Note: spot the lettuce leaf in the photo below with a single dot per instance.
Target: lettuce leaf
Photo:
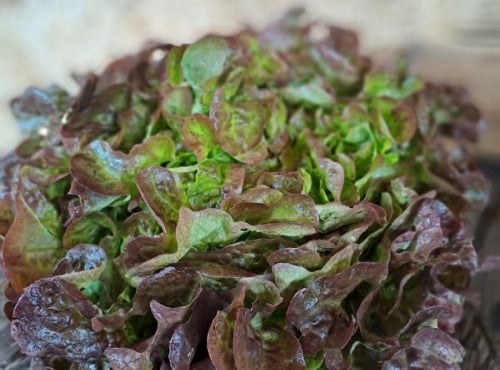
(264, 200)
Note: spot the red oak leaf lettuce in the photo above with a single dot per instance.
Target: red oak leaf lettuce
(267, 200)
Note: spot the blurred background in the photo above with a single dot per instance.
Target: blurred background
(456, 41)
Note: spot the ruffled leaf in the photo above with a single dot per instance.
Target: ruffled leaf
(52, 318)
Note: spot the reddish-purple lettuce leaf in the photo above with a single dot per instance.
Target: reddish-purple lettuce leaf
(170, 287)
(429, 349)
(248, 255)
(256, 343)
(158, 189)
(306, 255)
(30, 250)
(87, 201)
(317, 311)
(127, 359)
(109, 172)
(220, 334)
(52, 318)
(82, 265)
(145, 254)
(188, 336)
(168, 319)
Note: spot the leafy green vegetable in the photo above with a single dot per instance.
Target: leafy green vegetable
(265, 200)
(53, 318)
(30, 249)
(204, 60)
